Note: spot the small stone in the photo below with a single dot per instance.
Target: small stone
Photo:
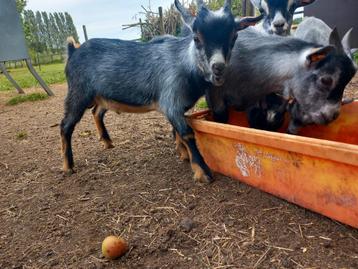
(187, 224)
(191, 206)
(209, 253)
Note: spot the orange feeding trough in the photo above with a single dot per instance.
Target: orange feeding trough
(317, 170)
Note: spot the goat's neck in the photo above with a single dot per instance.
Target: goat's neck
(189, 56)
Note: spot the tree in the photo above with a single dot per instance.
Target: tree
(48, 37)
(56, 46)
(20, 5)
(71, 29)
(41, 32)
(236, 5)
(61, 30)
(172, 21)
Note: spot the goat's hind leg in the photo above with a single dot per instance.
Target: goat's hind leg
(73, 114)
(74, 110)
(98, 115)
(180, 147)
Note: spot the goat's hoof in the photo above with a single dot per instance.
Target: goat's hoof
(184, 157)
(69, 172)
(203, 178)
(108, 145)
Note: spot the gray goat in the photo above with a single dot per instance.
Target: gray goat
(317, 31)
(311, 75)
(269, 112)
(278, 14)
(168, 74)
(314, 30)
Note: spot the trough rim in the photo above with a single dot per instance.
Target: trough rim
(324, 149)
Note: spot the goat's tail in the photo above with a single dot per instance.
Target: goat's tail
(72, 45)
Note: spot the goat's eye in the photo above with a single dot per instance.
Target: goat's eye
(196, 39)
(326, 81)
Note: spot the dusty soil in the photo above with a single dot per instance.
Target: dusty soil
(143, 192)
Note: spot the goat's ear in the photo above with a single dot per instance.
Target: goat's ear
(346, 43)
(227, 6)
(318, 54)
(247, 21)
(335, 40)
(186, 15)
(302, 3)
(200, 4)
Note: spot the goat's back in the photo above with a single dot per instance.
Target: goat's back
(120, 70)
(260, 64)
(313, 30)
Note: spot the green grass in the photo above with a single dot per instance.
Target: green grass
(201, 104)
(21, 135)
(356, 57)
(51, 73)
(26, 98)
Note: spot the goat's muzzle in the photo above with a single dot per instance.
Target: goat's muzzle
(218, 70)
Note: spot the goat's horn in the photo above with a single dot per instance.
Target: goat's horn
(346, 42)
(227, 4)
(200, 4)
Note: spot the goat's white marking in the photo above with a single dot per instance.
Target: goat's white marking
(219, 13)
(217, 57)
(264, 6)
(303, 56)
(192, 53)
(271, 116)
(281, 19)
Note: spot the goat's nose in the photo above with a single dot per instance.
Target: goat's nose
(279, 24)
(335, 115)
(218, 68)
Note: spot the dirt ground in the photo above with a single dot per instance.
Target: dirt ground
(143, 192)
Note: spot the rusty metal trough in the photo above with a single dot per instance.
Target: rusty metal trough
(317, 169)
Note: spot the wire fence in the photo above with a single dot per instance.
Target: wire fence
(38, 59)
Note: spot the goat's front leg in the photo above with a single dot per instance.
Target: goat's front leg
(294, 127)
(185, 138)
(217, 105)
(296, 115)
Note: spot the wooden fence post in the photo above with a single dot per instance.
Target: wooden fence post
(251, 9)
(141, 28)
(161, 22)
(85, 32)
(244, 11)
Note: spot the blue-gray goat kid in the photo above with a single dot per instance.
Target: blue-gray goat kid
(168, 74)
(278, 14)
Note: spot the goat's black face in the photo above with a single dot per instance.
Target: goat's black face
(214, 36)
(279, 14)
